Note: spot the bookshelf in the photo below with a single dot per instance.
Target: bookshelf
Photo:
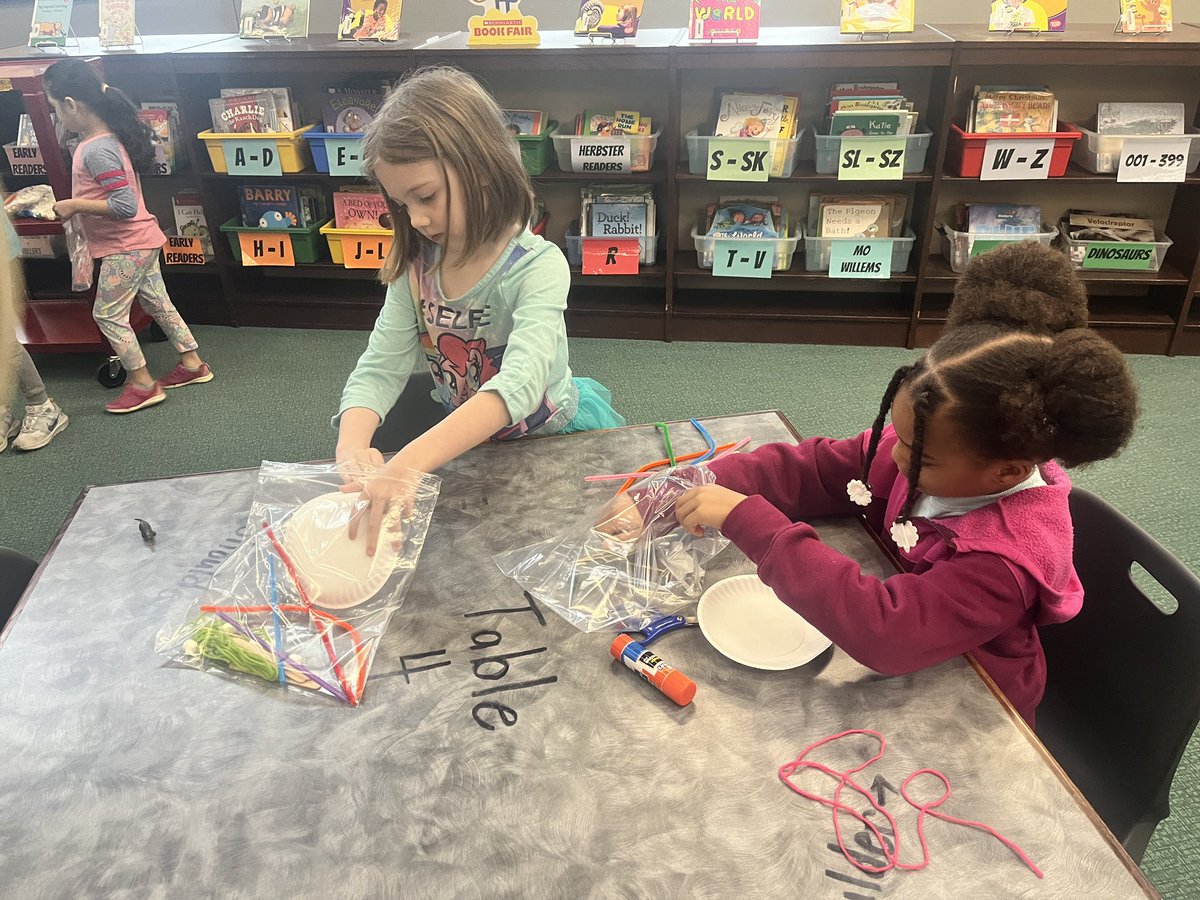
(663, 75)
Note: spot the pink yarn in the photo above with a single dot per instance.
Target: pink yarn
(892, 855)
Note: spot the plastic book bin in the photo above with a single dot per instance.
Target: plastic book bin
(1077, 250)
(957, 245)
(1101, 153)
(320, 152)
(818, 250)
(647, 257)
(829, 150)
(784, 247)
(964, 156)
(343, 243)
(292, 148)
(698, 154)
(306, 242)
(537, 149)
(639, 146)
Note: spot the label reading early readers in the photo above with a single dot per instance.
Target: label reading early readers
(1020, 160)
(1118, 255)
(870, 159)
(267, 249)
(739, 160)
(860, 259)
(743, 259)
(1154, 161)
(597, 155)
(184, 251)
(251, 157)
(345, 156)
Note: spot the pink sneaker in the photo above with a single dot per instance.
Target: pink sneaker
(181, 375)
(134, 398)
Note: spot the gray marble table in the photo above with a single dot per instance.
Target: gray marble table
(124, 777)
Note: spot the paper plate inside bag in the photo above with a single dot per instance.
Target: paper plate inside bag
(336, 571)
(744, 620)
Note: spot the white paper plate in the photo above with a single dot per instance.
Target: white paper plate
(337, 572)
(744, 620)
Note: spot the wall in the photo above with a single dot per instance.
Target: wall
(426, 16)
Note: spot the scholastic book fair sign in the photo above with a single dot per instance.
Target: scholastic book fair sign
(502, 25)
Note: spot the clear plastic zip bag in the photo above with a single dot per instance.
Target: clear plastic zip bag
(626, 564)
(300, 603)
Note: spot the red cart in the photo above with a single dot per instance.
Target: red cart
(57, 320)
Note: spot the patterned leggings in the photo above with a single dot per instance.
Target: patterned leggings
(124, 276)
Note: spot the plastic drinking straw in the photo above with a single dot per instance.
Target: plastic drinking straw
(662, 462)
(295, 576)
(275, 616)
(291, 662)
(712, 445)
(666, 433)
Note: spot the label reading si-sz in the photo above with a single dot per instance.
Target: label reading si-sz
(1154, 161)
(345, 156)
(849, 258)
(743, 259)
(1008, 160)
(739, 160)
(251, 157)
(598, 156)
(871, 159)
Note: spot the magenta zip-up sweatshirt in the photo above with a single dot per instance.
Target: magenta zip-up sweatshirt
(981, 582)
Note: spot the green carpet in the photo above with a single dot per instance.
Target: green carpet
(275, 391)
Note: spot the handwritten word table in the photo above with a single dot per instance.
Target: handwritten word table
(499, 752)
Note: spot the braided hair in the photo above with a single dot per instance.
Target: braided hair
(1015, 373)
(75, 79)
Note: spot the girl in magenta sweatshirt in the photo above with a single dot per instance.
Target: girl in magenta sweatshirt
(963, 484)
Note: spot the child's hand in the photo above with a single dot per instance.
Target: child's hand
(388, 502)
(64, 209)
(707, 505)
(353, 462)
(620, 518)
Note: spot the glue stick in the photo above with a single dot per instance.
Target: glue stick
(644, 662)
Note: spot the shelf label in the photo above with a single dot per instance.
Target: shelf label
(345, 157)
(983, 245)
(365, 251)
(739, 159)
(251, 157)
(1119, 255)
(850, 258)
(1007, 160)
(266, 249)
(601, 155)
(1156, 161)
(872, 159)
(184, 251)
(611, 256)
(743, 259)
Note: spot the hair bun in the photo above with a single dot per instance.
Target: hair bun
(1023, 285)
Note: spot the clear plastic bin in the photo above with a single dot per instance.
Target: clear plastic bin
(818, 250)
(638, 152)
(1101, 153)
(1077, 251)
(957, 245)
(648, 256)
(785, 247)
(829, 149)
(783, 153)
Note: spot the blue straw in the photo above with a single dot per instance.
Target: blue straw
(275, 615)
(708, 439)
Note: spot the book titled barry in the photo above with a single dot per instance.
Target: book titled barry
(281, 206)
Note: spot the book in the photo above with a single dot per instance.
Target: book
(618, 220)
(1009, 111)
(190, 220)
(26, 136)
(749, 115)
(724, 20)
(244, 114)
(51, 23)
(281, 205)
(626, 196)
(863, 87)
(1139, 118)
(617, 19)
(264, 19)
(1028, 15)
(361, 209)
(117, 28)
(871, 16)
(1145, 16)
(896, 204)
(370, 20)
(609, 122)
(285, 107)
(523, 121)
(350, 110)
(745, 220)
(856, 218)
(162, 136)
(1002, 218)
(1085, 225)
(855, 123)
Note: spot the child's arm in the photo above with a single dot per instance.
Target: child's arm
(381, 372)
(106, 166)
(905, 623)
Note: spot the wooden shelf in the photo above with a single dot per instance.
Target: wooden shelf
(938, 271)
(805, 171)
(648, 276)
(689, 276)
(554, 175)
(1075, 174)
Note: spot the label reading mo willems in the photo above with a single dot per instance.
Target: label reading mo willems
(1118, 255)
(851, 258)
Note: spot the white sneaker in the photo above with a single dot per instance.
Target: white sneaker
(40, 426)
(10, 427)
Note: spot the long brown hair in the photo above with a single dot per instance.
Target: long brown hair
(444, 115)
